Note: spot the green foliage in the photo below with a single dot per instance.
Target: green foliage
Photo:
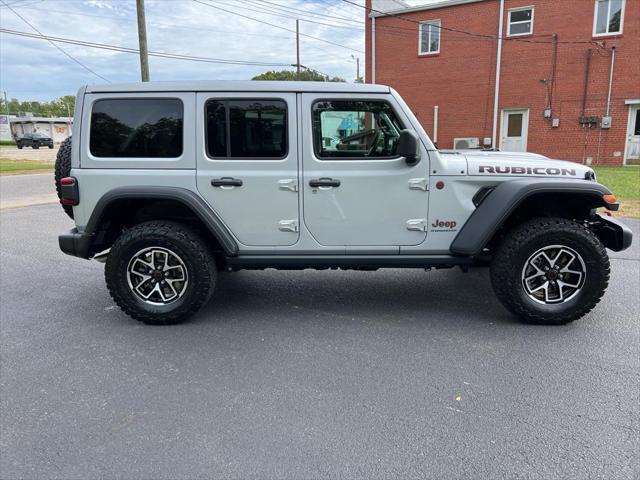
(624, 182)
(54, 108)
(10, 143)
(8, 166)
(290, 75)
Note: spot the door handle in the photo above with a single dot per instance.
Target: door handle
(324, 182)
(226, 182)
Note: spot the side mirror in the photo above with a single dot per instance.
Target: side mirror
(409, 147)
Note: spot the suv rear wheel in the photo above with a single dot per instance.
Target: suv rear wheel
(550, 271)
(160, 272)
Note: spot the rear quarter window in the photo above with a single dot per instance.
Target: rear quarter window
(137, 128)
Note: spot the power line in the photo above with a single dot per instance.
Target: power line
(159, 24)
(322, 15)
(355, 25)
(56, 46)
(464, 32)
(20, 3)
(305, 16)
(277, 26)
(277, 13)
(117, 48)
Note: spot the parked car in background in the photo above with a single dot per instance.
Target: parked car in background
(34, 140)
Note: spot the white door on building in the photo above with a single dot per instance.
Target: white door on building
(513, 134)
(632, 153)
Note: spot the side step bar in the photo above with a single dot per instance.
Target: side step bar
(356, 262)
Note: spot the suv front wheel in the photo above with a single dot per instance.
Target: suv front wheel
(160, 272)
(550, 271)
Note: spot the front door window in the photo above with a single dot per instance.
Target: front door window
(353, 129)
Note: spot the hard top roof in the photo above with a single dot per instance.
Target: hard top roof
(238, 86)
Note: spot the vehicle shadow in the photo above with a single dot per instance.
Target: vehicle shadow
(385, 295)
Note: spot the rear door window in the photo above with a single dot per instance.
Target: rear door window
(246, 128)
(137, 128)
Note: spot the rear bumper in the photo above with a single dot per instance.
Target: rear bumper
(75, 243)
(614, 234)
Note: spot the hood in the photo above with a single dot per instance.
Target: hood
(488, 163)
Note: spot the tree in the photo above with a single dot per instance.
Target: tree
(60, 107)
(290, 75)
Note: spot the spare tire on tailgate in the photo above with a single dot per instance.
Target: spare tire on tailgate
(63, 169)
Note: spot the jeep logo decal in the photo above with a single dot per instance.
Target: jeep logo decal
(443, 225)
(527, 170)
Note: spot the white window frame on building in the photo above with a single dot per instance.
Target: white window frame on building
(595, 18)
(520, 22)
(431, 23)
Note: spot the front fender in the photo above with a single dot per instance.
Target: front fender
(505, 198)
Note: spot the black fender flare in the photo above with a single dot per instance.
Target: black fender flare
(188, 198)
(496, 207)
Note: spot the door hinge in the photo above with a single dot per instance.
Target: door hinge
(288, 225)
(417, 225)
(418, 184)
(288, 184)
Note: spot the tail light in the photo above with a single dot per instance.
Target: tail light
(69, 194)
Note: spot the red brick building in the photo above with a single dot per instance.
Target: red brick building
(554, 72)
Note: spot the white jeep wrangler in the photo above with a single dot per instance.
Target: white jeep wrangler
(170, 183)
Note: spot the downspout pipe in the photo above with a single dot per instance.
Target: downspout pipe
(613, 59)
(373, 49)
(496, 94)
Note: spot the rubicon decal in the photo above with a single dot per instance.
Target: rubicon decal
(443, 226)
(553, 171)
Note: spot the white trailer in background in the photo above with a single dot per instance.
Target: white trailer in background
(58, 128)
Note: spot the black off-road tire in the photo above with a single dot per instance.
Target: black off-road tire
(63, 169)
(19, 145)
(526, 239)
(35, 146)
(178, 238)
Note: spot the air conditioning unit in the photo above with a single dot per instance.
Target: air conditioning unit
(466, 143)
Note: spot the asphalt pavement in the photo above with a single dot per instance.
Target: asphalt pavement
(25, 190)
(395, 373)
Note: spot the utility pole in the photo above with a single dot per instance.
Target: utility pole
(358, 68)
(142, 40)
(297, 49)
(357, 59)
(6, 105)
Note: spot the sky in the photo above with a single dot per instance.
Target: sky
(33, 69)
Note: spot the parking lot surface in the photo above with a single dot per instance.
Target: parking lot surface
(395, 373)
